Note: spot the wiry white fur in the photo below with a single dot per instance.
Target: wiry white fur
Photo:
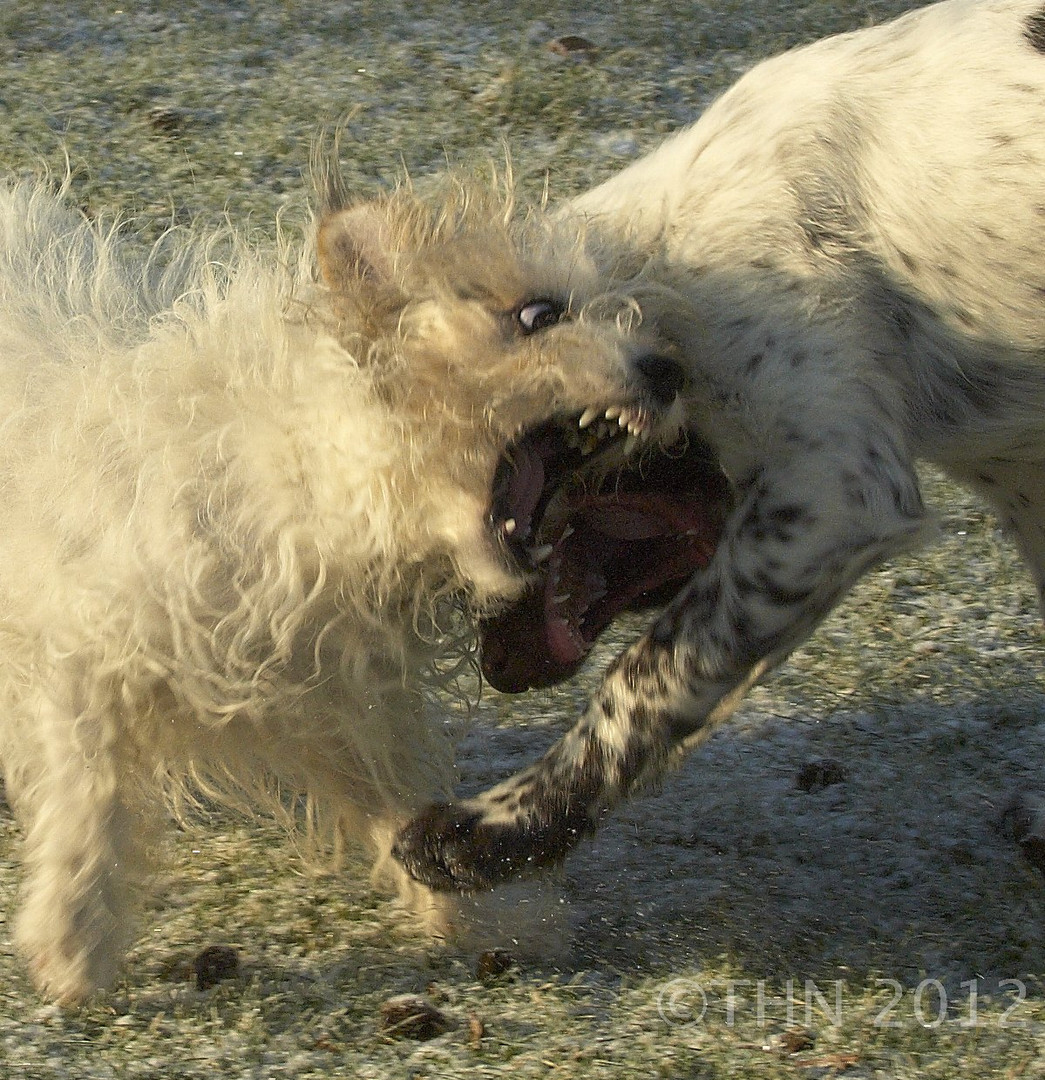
(238, 508)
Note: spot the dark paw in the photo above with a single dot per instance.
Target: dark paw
(445, 847)
(448, 847)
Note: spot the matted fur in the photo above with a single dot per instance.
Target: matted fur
(241, 510)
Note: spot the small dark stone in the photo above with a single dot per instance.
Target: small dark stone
(814, 776)
(168, 120)
(410, 1016)
(213, 964)
(795, 1040)
(574, 46)
(492, 964)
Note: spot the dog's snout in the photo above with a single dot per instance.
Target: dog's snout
(662, 376)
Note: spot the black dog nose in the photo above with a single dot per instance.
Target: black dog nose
(662, 376)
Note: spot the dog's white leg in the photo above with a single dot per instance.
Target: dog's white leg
(835, 502)
(1016, 489)
(84, 853)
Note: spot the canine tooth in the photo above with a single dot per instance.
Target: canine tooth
(637, 421)
(587, 416)
(539, 554)
(509, 526)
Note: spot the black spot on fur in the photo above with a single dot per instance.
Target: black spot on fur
(910, 262)
(663, 631)
(638, 752)
(789, 514)
(902, 317)
(642, 670)
(1034, 30)
(779, 594)
(681, 727)
(750, 644)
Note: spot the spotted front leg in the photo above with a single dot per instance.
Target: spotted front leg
(801, 535)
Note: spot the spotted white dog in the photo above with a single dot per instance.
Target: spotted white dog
(851, 247)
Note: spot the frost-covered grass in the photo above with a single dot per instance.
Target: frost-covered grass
(733, 886)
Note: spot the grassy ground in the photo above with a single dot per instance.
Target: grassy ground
(735, 924)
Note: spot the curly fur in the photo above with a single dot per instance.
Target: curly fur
(241, 511)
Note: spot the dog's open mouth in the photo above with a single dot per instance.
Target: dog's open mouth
(604, 530)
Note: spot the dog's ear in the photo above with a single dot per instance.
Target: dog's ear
(354, 245)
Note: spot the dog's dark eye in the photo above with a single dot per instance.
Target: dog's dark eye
(536, 315)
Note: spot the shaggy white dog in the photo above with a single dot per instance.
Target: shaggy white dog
(239, 507)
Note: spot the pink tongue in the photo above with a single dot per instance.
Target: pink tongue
(562, 643)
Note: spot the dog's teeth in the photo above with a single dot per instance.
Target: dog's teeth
(567, 533)
(540, 554)
(589, 444)
(561, 599)
(508, 527)
(587, 417)
(634, 420)
(613, 412)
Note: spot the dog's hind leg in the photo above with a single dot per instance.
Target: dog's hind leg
(1016, 490)
(85, 851)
